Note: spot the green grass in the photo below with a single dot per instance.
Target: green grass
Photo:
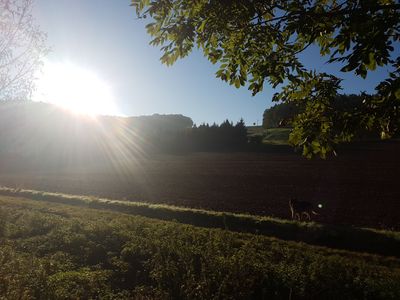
(272, 136)
(277, 135)
(56, 251)
(280, 136)
(339, 237)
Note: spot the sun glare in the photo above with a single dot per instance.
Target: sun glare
(74, 88)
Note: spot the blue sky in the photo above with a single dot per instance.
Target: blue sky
(105, 37)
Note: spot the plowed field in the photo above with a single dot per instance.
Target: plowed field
(360, 187)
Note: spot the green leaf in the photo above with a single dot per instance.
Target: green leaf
(237, 82)
(372, 62)
(202, 26)
(397, 94)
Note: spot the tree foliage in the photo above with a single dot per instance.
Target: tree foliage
(22, 45)
(280, 113)
(225, 136)
(258, 41)
(205, 137)
(283, 114)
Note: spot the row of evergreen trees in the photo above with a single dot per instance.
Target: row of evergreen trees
(204, 137)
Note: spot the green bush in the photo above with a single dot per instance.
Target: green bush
(80, 284)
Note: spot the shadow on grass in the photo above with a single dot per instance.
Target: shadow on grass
(339, 237)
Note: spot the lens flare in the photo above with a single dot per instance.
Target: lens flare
(74, 88)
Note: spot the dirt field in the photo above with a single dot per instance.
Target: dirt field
(360, 187)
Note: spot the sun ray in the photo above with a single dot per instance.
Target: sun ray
(74, 88)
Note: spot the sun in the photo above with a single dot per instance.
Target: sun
(74, 88)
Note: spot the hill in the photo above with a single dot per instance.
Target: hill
(45, 134)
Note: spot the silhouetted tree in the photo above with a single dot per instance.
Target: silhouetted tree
(225, 136)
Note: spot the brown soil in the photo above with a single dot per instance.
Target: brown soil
(360, 187)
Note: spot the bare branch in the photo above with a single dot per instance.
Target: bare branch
(21, 49)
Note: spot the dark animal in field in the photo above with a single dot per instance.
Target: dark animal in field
(282, 123)
(285, 123)
(303, 208)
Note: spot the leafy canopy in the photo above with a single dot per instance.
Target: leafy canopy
(258, 41)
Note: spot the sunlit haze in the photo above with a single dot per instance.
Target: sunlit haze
(74, 88)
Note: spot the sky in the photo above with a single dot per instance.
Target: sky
(105, 38)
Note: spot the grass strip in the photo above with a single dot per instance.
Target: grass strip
(333, 236)
(50, 250)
